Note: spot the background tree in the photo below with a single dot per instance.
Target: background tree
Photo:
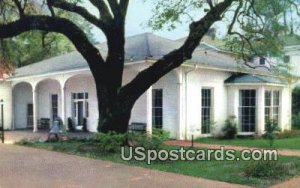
(245, 19)
(34, 46)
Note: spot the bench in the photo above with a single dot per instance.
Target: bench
(44, 123)
(137, 127)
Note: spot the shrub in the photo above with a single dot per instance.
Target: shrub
(109, 142)
(296, 120)
(271, 128)
(84, 126)
(154, 141)
(25, 142)
(269, 169)
(230, 129)
(70, 125)
(288, 134)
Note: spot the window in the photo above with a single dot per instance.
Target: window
(247, 110)
(286, 59)
(262, 61)
(272, 105)
(157, 108)
(206, 112)
(54, 106)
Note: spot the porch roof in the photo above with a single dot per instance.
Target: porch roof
(138, 48)
(253, 79)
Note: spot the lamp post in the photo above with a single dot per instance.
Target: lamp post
(2, 120)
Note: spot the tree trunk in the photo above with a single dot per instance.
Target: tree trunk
(114, 112)
(116, 122)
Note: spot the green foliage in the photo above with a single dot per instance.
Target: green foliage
(296, 121)
(256, 31)
(269, 169)
(168, 14)
(270, 129)
(154, 141)
(34, 46)
(288, 134)
(109, 142)
(230, 129)
(25, 142)
(84, 126)
(296, 101)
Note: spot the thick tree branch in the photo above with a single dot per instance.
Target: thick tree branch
(149, 76)
(19, 7)
(105, 14)
(59, 25)
(124, 7)
(78, 10)
(114, 7)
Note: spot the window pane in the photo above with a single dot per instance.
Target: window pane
(206, 116)
(247, 110)
(276, 98)
(157, 108)
(87, 109)
(267, 98)
(80, 96)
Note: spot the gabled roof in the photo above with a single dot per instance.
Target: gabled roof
(137, 48)
(253, 79)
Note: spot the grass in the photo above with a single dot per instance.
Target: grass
(228, 171)
(284, 143)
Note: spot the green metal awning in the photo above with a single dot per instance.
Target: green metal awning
(253, 79)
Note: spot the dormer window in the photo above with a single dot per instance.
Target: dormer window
(286, 59)
(262, 61)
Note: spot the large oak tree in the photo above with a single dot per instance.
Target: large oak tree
(115, 100)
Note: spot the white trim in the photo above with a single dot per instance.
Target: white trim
(63, 72)
(245, 133)
(254, 84)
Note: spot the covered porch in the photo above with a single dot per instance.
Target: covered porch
(37, 102)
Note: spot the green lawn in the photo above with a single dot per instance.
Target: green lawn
(284, 143)
(228, 171)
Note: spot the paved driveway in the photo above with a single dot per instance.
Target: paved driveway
(29, 167)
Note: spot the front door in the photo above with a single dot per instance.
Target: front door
(80, 111)
(29, 115)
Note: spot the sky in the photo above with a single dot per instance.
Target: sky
(139, 12)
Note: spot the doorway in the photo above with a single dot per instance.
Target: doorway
(80, 107)
(29, 115)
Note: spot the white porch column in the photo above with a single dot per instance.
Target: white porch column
(149, 110)
(63, 108)
(181, 106)
(260, 111)
(233, 104)
(35, 109)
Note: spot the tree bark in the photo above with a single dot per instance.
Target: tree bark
(114, 114)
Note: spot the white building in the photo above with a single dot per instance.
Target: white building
(211, 87)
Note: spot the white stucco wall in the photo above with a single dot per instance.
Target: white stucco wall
(286, 108)
(203, 78)
(78, 84)
(6, 95)
(44, 91)
(22, 95)
(169, 84)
